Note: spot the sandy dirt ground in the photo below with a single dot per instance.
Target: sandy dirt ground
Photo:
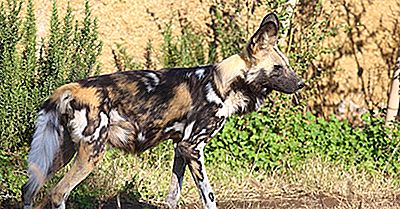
(301, 200)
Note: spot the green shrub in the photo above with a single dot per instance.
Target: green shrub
(271, 143)
(28, 76)
(184, 51)
(124, 61)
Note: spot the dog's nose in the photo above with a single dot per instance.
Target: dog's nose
(300, 84)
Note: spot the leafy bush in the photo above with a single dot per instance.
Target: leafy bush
(28, 75)
(123, 61)
(268, 142)
(184, 51)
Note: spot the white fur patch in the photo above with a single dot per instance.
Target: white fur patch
(212, 96)
(218, 129)
(141, 137)
(117, 131)
(199, 135)
(115, 117)
(177, 126)
(62, 205)
(64, 100)
(103, 123)
(78, 124)
(259, 103)
(233, 103)
(188, 131)
(154, 77)
(150, 86)
(252, 75)
(200, 73)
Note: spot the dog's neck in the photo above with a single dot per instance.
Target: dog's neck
(239, 95)
(227, 71)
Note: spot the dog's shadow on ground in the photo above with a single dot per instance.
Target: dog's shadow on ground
(116, 203)
(128, 197)
(113, 203)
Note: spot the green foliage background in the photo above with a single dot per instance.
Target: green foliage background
(281, 135)
(29, 72)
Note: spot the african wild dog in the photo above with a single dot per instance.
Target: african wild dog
(136, 110)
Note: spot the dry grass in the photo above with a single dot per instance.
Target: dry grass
(316, 184)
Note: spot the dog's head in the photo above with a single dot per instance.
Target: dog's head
(266, 64)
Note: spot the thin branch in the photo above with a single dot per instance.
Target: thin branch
(394, 96)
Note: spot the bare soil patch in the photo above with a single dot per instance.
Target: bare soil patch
(300, 200)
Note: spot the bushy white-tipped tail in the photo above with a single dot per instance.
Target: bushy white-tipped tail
(44, 147)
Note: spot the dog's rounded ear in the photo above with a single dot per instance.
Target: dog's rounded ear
(270, 24)
(267, 34)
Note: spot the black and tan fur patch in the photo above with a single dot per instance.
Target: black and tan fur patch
(136, 110)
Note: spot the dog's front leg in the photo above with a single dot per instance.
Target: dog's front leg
(198, 170)
(178, 171)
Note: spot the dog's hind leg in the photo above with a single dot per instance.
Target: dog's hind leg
(62, 158)
(89, 154)
(178, 172)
